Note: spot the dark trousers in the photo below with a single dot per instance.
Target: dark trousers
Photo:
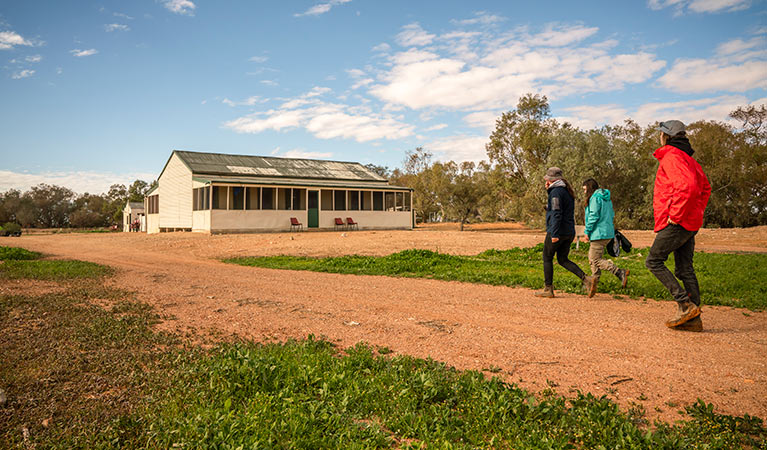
(562, 249)
(681, 242)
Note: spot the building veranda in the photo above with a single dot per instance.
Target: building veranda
(220, 193)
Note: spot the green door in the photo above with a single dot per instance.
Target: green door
(313, 205)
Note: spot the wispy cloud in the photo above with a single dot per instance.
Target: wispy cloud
(480, 18)
(124, 16)
(80, 182)
(250, 101)
(462, 71)
(26, 73)
(83, 53)
(11, 39)
(325, 120)
(459, 148)
(258, 59)
(713, 108)
(303, 154)
(116, 27)
(700, 6)
(321, 8)
(183, 7)
(738, 66)
(412, 35)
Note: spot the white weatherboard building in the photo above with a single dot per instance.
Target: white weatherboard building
(134, 212)
(218, 193)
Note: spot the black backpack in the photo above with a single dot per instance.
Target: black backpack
(617, 243)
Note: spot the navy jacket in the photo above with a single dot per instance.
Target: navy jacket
(560, 220)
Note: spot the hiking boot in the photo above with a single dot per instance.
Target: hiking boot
(694, 325)
(623, 275)
(548, 292)
(590, 284)
(687, 311)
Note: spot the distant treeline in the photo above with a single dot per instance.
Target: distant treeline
(509, 185)
(526, 141)
(47, 206)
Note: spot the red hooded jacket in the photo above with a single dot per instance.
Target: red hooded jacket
(681, 190)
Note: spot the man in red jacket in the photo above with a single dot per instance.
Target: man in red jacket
(679, 200)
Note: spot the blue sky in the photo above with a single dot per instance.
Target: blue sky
(99, 92)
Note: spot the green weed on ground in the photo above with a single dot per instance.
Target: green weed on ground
(17, 254)
(81, 376)
(725, 279)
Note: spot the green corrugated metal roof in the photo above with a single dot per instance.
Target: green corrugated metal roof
(267, 166)
(340, 184)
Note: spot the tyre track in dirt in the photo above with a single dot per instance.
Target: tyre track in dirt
(618, 348)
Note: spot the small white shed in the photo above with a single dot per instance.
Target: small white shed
(133, 217)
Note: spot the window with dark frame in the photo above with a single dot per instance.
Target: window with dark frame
(236, 197)
(389, 201)
(366, 201)
(252, 198)
(283, 198)
(354, 200)
(400, 205)
(299, 199)
(326, 200)
(219, 197)
(378, 203)
(339, 200)
(408, 200)
(267, 198)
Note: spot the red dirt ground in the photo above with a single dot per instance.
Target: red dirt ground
(600, 345)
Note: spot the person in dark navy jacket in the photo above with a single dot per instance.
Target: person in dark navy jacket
(560, 233)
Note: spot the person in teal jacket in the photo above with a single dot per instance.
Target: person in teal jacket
(599, 230)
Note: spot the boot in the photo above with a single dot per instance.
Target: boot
(694, 325)
(548, 292)
(623, 275)
(590, 284)
(687, 311)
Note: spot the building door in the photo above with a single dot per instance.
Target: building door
(313, 207)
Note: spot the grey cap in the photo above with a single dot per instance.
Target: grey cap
(553, 174)
(671, 127)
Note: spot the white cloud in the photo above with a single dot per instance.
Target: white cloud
(459, 148)
(714, 108)
(700, 75)
(80, 182)
(700, 6)
(480, 18)
(82, 53)
(382, 48)
(258, 59)
(559, 36)
(436, 127)
(269, 82)
(11, 39)
(413, 35)
(301, 154)
(33, 58)
(492, 72)
(116, 27)
(124, 16)
(183, 7)
(321, 8)
(250, 101)
(484, 120)
(23, 74)
(324, 120)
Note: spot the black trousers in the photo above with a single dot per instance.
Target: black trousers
(674, 238)
(562, 249)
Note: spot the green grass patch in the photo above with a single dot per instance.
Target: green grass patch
(82, 376)
(307, 395)
(17, 254)
(738, 280)
(55, 270)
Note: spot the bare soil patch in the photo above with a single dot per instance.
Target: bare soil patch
(619, 348)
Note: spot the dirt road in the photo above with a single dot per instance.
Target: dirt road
(601, 345)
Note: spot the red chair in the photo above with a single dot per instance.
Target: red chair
(296, 225)
(350, 223)
(340, 223)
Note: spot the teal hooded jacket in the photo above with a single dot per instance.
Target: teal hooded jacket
(599, 216)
